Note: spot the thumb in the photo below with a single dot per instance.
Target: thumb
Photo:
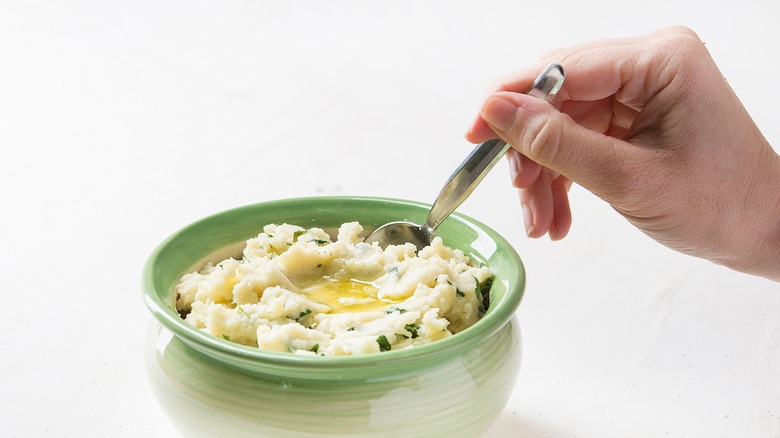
(540, 132)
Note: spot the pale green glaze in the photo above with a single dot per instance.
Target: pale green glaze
(459, 397)
(453, 387)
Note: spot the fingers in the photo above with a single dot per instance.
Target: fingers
(523, 171)
(519, 81)
(596, 116)
(545, 205)
(479, 131)
(628, 71)
(599, 69)
(608, 84)
(561, 222)
(556, 141)
(537, 204)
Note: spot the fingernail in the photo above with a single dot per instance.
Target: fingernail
(528, 220)
(514, 172)
(500, 113)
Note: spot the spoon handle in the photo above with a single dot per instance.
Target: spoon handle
(484, 156)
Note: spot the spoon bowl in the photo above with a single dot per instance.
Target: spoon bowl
(465, 178)
(400, 232)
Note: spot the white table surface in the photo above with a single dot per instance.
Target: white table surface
(122, 122)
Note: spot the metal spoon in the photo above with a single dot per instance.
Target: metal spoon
(465, 178)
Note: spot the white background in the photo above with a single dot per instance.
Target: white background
(122, 122)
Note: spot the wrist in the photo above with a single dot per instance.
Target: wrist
(760, 253)
(772, 242)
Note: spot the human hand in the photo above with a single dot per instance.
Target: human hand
(650, 125)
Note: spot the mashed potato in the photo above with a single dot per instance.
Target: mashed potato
(297, 291)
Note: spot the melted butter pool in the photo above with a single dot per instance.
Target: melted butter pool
(344, 296)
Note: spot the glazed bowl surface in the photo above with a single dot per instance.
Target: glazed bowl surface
(456, 386)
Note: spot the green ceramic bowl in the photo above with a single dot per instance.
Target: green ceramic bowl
(212, 387)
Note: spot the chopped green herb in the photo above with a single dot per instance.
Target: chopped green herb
(351, 329)
(321, 242)
(384, 344)
(270, 236)
(226, 337)
(390, 310)
(319, 265)
(483, 295)
(315, 348)
(459, 292)
(412, 328)
(484, 288)
(393, 270)
(303, 314)
(298, 234)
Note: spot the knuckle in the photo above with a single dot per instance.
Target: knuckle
(682, 32)
(680, 40)
(557, 55)
(542, 139)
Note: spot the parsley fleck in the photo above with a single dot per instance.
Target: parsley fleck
(412, 328)
(226, 337)
(315, 348)
(459, 292)
(321, 242)
(384, 344)
(303, 314)
(393, 270)
(298, 234)
(483, 295)
(351, 329)
(390, 310)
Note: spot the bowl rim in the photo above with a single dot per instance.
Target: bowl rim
(494, 319)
